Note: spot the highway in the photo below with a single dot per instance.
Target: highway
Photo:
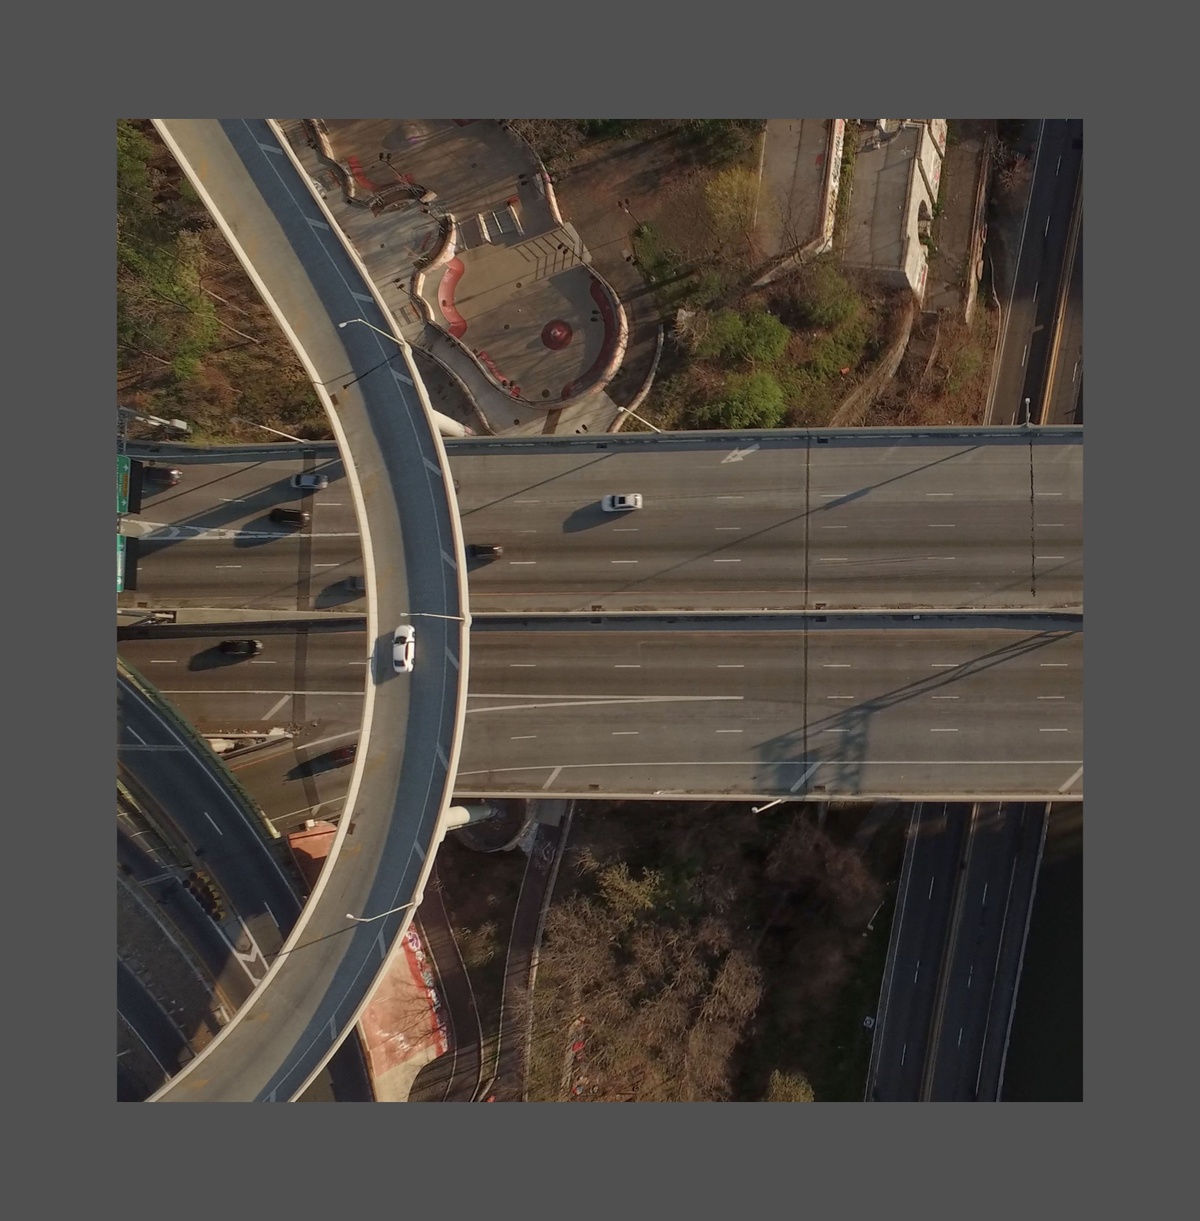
(156, 1032)
(1064, 389)
(322, 978)
(955, 706)
(797, 521)
(955, 952)
(209, 541)
(1041, 261)
(189, 789)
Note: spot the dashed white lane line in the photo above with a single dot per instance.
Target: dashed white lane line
(527, 502)
(1055, 665)
(516, 562)
(1050, 524)
(943, 665)
(231, 500)
(164, 661)
(622, 561)
(731, 498)
(328, 564)
(522, 665)
(731, 665)
(943, 697)
(941, 557)
(834, 527)
(213, 824)
(523, 737)
(330, 504)
(264, 663)
(227, 565)
(833, 559)
(726, 529)
(1047, 493)
(625, 733)
(839, 697)
(524, 531)
(625, 529)
(939, 493)
(729, 731)
(1054, 731)
(626, 665)
(1049, 557)
(1052, 697)
(832, 495)
(835, 731)
(835, 665)
(942, 525)
(932, 730)
(723, 561)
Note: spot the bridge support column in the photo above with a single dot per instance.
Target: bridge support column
(448, 427)
(472, 811)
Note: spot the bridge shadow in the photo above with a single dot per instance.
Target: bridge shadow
(806, 762)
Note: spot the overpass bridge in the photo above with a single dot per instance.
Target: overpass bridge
(312, 281)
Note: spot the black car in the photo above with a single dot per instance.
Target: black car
(343, 754)
(241, 648)
(289, 517)
(484, 551)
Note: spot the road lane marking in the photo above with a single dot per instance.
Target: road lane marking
(932, 730)
(1052, 697)
(985, 890)
(276, 707)
(1056, 665)
(1046, 525)
(941, 557)
(622, 561)
(731, 498)
(930, 894)
(331, 504)
(944, 665)
(835, 665)
(527, 502)
(524, 531)
(835, 527)
(731, 665)
(839, 697)
(728, 529)
(832, 495)
(833, 559)
(627, 665)
(625, 733)
(515, 562)
(1036, 285)
(227, 565)
(939, 493)
(1049, 557)
(1046, 230)
(1054, 731)
(164, 661)
(625, 529)
(943, 697)
(130, 729)
(553, 777)
(211, 822)
(1057, 166)
(1024, 356)
(1070, 780)
(804, 777)
(329, 564)
(941, 525)
(231, 500)
(523, 737)
(729, 731)
(264, 663)
(835, 731)
(721, 561)
(522, 665)
(1047, 493)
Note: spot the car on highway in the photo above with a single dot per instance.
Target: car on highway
(484, 551)
(241, 648)
(621, 503)
(343, 754)
(310, 481)
(404, 644)
(355, 585)
(289, 517)
(165, 476)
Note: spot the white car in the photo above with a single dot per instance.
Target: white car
(310, 481)
(623, 503)
(404, 644)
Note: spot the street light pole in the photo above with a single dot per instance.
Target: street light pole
(266, 428)
(399, 343)
(628, 411)
(392, 912)
(433, 615)
(759, 809)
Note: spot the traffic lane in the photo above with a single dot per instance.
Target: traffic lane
(916, 953)
(1068, 382)
(187, 789)
(311, 278)
(973, 961)
(157, 1033)
(537, 482)
(237, 496)
(955, 709)
(324, 660)
(1044, 237)
(233, 979)
(300, 782)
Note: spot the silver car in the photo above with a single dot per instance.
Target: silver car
(310, 481)
(404, 645)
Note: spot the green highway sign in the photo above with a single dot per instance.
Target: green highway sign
(122, 484)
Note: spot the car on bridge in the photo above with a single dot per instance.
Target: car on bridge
(622, 503)
(404, 645)
(241, 648)
(310, 481)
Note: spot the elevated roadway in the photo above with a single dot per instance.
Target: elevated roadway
(396, 473)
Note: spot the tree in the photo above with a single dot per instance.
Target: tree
(732, 197)
(789, 1087)
(753, 400)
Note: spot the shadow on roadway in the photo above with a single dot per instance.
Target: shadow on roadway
(213, 659)
(588, 517)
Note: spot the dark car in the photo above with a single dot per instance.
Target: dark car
(289, 517)
(355, 585)
(343, 754)
(484, 551)
(241, 648)
(162, 476)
